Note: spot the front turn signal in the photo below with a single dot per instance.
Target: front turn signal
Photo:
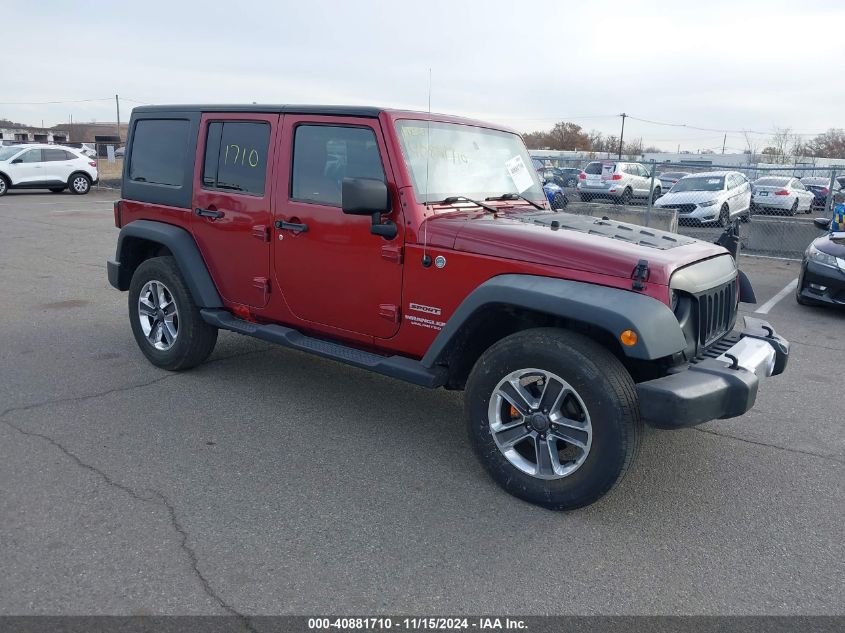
(629, 338)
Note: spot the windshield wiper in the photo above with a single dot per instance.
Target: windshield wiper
(454, 199)
(516, 196)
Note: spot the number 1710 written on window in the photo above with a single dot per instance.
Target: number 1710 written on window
(237, 155)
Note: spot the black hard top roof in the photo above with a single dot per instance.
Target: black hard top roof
(332, 110)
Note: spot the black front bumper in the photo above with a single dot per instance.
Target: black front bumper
(718, 387)
(821, 283)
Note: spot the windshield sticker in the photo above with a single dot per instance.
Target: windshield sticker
(607, 170)
(713, 181)
(519, 174)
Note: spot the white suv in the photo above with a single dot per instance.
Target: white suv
(618, 181)
(46, 167)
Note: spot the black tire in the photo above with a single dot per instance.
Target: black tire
(747, 216)
(79, 183)
(724, 215)
(794, 209)
(195, 339)
(601, 382)
(57, 189)
(4, 186)
(655, 194)
(625, 198)
(559, 201)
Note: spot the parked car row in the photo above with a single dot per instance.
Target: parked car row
(41, 166)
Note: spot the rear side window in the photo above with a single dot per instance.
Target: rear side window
(593, 168)
(236, 156)
(57, 155)
(324, 155)
(158, 151)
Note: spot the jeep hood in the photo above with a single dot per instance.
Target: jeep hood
(570, 241)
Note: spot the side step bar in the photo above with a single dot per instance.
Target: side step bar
(400, 367)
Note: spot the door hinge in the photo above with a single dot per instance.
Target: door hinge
(389, 311)
(392, 253)
(262, 232)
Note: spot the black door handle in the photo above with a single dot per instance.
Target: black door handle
(208, 213)
(291, 226)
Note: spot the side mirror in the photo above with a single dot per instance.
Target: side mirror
(822, 223)
(368, 196)
(364, 196)
(17, 160)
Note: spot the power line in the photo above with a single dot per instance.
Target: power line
(709, 129)
(52, 102)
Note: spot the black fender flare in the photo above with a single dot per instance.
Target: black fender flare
(609, 309)
(184, 249)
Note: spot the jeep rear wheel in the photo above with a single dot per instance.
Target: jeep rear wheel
(165, 320)
(4, 186)
(553, 417)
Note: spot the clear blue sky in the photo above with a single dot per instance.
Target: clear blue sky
(725, 65)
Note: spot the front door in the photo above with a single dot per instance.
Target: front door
(30, 169)
(332, 270)
(232, 218)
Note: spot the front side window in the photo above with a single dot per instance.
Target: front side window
(158, 151)
(450, 159)
(323, 155)
(33, 156)
(236, 156)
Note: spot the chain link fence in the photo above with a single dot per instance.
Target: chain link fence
(773, 205)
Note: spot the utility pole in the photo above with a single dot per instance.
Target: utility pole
(622, 135)
(117, 103)
(724, 141)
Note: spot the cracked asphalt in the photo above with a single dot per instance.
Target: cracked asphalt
(271, 482)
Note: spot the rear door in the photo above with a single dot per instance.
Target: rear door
(332, 270)
(231, 216)
(58, 164)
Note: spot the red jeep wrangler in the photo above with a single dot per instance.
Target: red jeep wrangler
(421, 247)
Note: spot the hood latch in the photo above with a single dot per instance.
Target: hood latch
(640, 275)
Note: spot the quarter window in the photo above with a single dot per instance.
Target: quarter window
(158, 151)
(324, 155)
(236, 156)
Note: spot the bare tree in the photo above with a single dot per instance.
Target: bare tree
(781, 141)
(752, 144)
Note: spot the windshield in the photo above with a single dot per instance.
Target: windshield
(449, 159)
(7, 152)
(706, 183)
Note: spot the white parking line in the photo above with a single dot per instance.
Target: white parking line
(771, 303)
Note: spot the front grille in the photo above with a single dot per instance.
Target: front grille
(682, 208)
(716, 312)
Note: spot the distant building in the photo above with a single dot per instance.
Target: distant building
(10, 135)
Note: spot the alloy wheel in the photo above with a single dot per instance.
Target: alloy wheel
(540, 423)
(158, 315)
(80, 184)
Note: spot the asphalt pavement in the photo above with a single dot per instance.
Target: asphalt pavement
(268, 481)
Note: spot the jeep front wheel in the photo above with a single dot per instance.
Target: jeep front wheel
(165, 320)
(553, 417)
